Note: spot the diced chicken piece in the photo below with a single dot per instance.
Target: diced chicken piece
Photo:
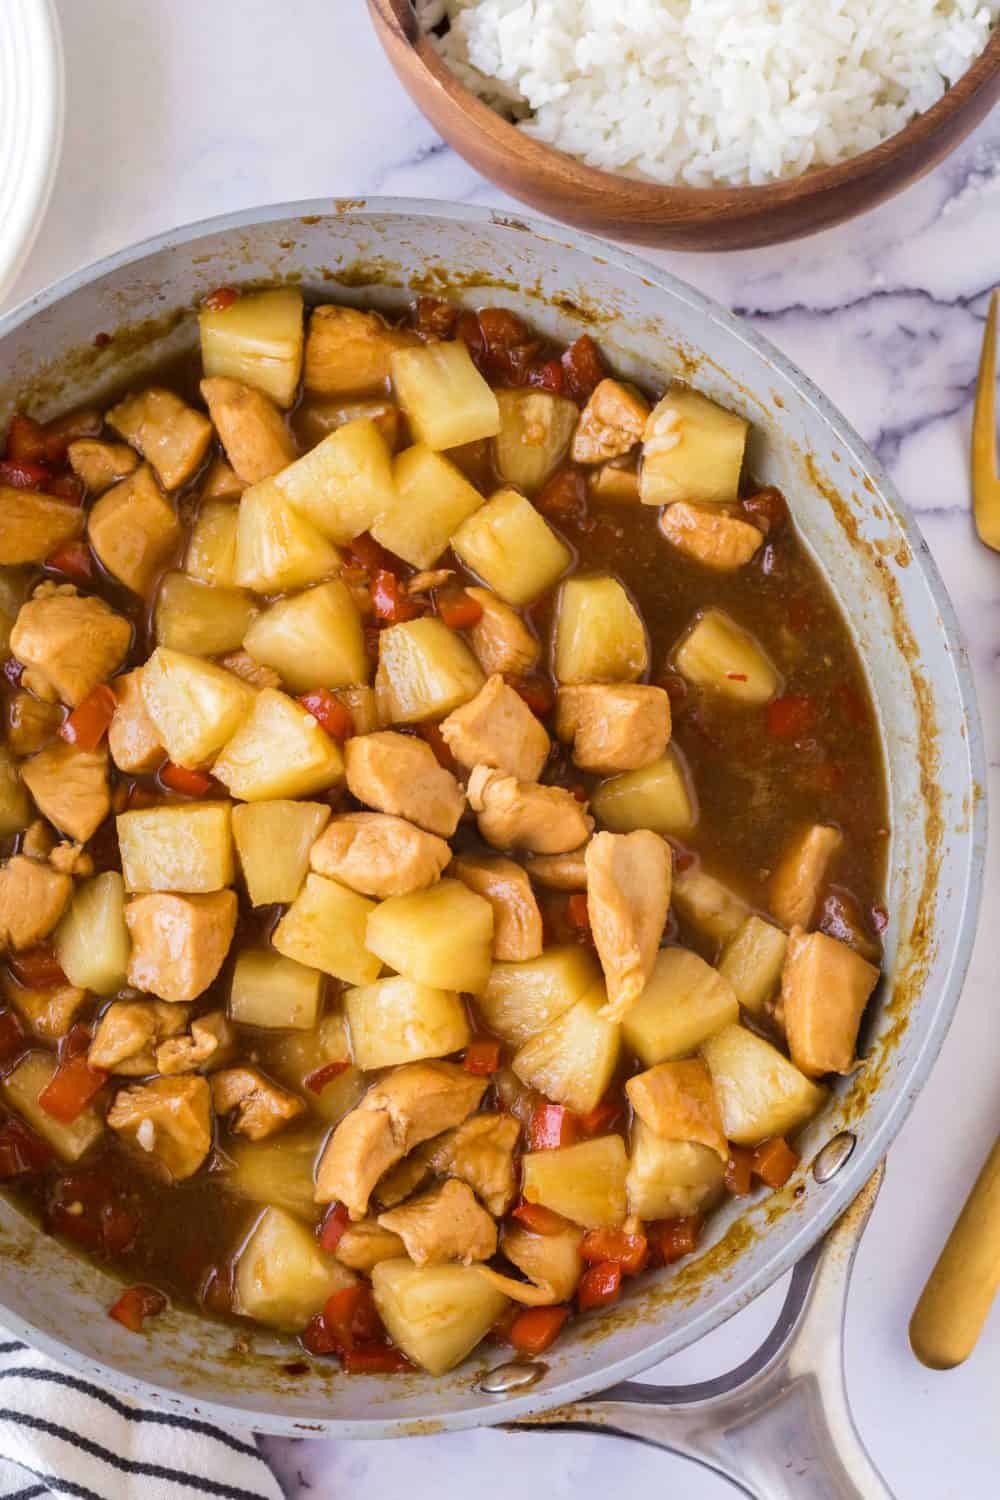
(723, 543)
(70, 643)
(411, 1105)
(133, 530)
(379, 855)
(179, 943)
(71, 859)
(523, 815)
(242, 664)
(32, 526)
(825, 987)
(551, 1262)
(444, 1224)
(517, 922)
(48, 1013)
(100, 465)
(402, 1180)
(33, 897)
(677, 1101)
(628, 895)
(348, 352)
(251, 429)
(70, 786)
(261, 1106)
(611, 423)
(362, 1246)
(613, 727)
(431, 578)
(129, 1032)
(39, 840)
(169, 1121)
(169, 434)
(209, 1044)
(796, 883)
(481, 1153)
(399, 774)
(497, 728)
(560, 872)
(500, 640)
(132, 738)
(31, 723)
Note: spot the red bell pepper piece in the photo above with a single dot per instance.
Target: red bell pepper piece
(469, 330)
(375, 1359)
(536, 692)
(391, 604)
(183, 779)
(539, 1219)
(564, 497)
(537, 1328)
(368, 554)
(66, 487)
(137, 1304)
(22, 475)
(317, 1081)
(766, 510)
(11, 1036)
(89, 722)
(37, 969)
(71, 1088)
(790, 717)
(600, 1286)
(458, 609)
(552, 1125)
(547, 375)
(25, 440)
(431, 734)
(220, 299)
(434, 318)
(583, 368)
(774, 1161)
(599, 1120)
(672, 1239)
(21, 1151)
(332, 716)
(739, 1169)
(630, 1251)
(74, 559)
(577, 912)
(482, 1057)
(331, 1231)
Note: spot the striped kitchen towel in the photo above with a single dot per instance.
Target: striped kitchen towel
(62, 1434)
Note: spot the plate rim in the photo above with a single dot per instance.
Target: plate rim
(37, 22)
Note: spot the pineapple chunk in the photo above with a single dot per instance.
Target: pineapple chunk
(659, 796)
(671, 1179)
(442, 937)
(343, 485)
(445, 399)
(294, 1056)
(719, 655)
(535, 431)
(269, 990)
(195, 706)
(512, 549)
(760, 1092)
(521, 999)
(752, 963)
(312, 640)
(187, 847)
(600, 636)
(199, 618)
(692, 450)
(15, 805)
(685, 1001)
(277, 1174)
(709, 905)
(257, 340)
(279, 752)
(273, 840)
(325, 928)
(573, 1060)
(211, 554)
(92, 942)
(397, 1021)
(283, 1278)
(424, 671)
(433, 498)
(585, 1183)
(21, 1089)
(435, 1314)
(277, 549)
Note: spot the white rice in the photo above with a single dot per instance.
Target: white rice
(711, 91)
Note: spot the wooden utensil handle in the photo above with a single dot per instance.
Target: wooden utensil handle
(952, 1309)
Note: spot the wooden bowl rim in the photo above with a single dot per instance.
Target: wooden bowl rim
(721, 202)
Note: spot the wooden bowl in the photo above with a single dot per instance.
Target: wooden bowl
(682, 218)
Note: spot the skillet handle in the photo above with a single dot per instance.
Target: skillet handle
(779, 1426)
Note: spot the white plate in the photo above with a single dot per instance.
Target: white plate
(32, 93)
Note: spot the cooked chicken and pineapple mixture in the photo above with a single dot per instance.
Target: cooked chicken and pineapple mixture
(443, 829)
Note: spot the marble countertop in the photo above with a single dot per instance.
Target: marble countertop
(178, 111)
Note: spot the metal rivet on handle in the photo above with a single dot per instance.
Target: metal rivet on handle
(834, 1155)
(517, 1375)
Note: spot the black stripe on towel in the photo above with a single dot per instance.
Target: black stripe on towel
(12, 1348)
(53, 1482)
(31, 1493)
(131, 1413)
(125, 1465)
